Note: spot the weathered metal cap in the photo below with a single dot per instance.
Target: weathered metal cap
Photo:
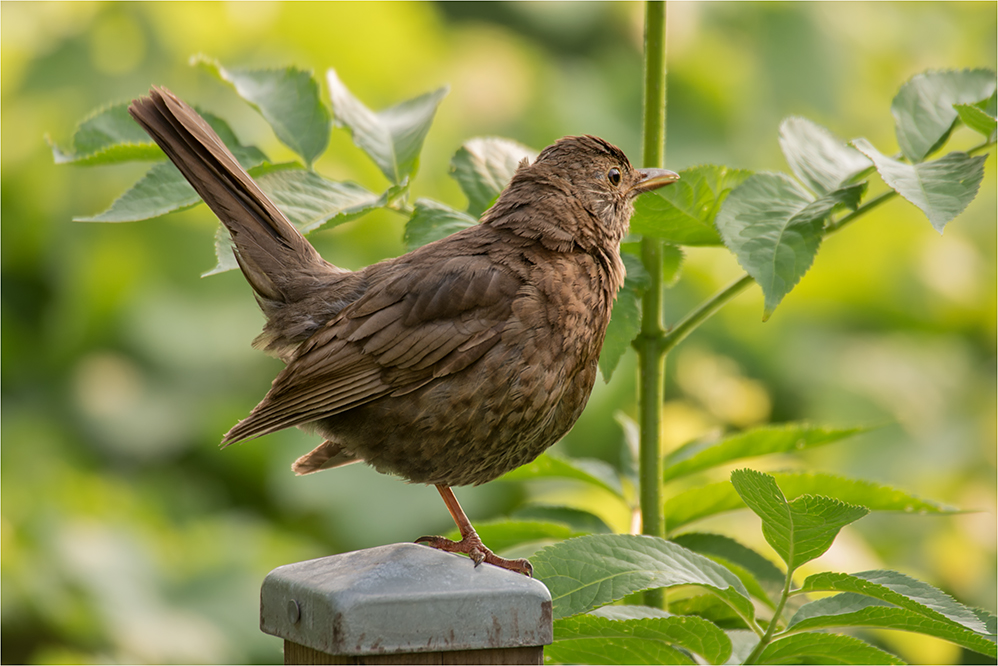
(403, 598)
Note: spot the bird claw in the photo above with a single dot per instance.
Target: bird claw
(472, 546)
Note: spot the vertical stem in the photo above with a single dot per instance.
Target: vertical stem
(651, 359)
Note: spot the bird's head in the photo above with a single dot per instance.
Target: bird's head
(581, 191)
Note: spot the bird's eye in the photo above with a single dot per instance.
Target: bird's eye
(613, 175)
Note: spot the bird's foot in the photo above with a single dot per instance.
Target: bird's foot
(472, 546)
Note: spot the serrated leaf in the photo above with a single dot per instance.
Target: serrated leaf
(625, 320)
(942, 189)
(855, 610)
(684, 213)
(820, 159)
(923, 107)
(874, 496)
(432, 220)
(587, 639)
(760, 576)
(592, 571)
(977, 119)
(629, 612)
(798, 530)
(900, 590)
(107, 136)
(122, 152)
(483, 168)
(709, 607)
(710, 499)
(288, 99)
(989, 620)
(774, 227)
(308, 201)
(624, 326)
(824, 649)
(588, 470)
(783, 438)
(672, 264)
(652, 640)
(393, 137)
(163, 189)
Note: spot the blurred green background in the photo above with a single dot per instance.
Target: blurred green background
(127, 536)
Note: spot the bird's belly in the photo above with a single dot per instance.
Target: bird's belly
(494, 416)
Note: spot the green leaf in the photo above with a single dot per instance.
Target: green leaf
(855, 610)
(701, 501)
(288, 99)
(163, 189)
(672, 264)
(900, 590)
(977, 119)
(501, 535)
(432, 221)
(743, 641)
(941, 188)
(824, 649)
(923, 108)
(783, 438)
(629, 612)
(873, 496)
(592, 639)
(708, 607)
(393, 138)
(625, 320)
(989, 620)
(483, 168)
(774, 227)
(580, 521)
(588, 470)
(761, 577)
(637, 278)
(799, 530)
(816, 156)
(107, 136)
(684, 213)
(592, 571)
(308, 201)
(710, 499)
(625, 323)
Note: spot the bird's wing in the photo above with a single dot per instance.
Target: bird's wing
(409, 328)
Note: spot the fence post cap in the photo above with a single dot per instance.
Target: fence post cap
(403, 597)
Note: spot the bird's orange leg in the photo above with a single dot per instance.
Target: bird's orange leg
(470, 543)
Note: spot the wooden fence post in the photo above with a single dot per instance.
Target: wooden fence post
(405, 604)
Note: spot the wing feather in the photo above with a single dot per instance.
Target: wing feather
(408, 329)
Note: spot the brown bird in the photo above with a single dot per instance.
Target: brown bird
(452, 364)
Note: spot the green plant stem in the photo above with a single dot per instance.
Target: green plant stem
(836, 225)
(771, 629)
(651, 358)
(703, 312)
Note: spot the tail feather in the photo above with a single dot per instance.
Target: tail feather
(269, 249)
(325, 456)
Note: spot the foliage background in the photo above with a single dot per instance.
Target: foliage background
(127, 536)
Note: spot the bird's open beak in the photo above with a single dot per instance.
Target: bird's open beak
(652, 179)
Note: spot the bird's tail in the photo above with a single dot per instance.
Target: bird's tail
(272, 254)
